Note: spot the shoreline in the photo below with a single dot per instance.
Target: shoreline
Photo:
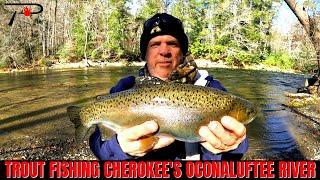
(201, 63)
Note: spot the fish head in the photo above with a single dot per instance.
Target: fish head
(243, 111)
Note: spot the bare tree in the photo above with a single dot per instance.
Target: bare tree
(310, 24)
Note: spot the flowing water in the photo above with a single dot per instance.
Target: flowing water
(34, 123)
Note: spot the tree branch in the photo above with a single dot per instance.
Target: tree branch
(300, 13)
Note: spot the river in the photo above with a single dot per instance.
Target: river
(34, 123)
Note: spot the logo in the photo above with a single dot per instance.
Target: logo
(26, 10)
(155, 29)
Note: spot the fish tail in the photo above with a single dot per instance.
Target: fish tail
(74, 115)
(81, 133)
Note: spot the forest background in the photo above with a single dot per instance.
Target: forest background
(235, 32)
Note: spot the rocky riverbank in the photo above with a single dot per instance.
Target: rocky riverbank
(305, 104)
(307, 108)
(201, 63)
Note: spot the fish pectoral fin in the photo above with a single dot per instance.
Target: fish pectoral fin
(106, 133)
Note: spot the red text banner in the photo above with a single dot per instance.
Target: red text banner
(159, 169)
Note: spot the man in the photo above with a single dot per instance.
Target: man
(164, 46)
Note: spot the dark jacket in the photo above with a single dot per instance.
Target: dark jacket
(110, 149)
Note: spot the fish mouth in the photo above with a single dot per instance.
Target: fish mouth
(250, 120)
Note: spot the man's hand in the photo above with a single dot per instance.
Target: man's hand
(139, 140)
(224, 136)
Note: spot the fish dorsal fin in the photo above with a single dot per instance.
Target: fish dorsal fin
(148, 80)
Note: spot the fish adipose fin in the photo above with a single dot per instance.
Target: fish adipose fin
(74, 115)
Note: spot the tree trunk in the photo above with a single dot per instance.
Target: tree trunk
(300, 13)
(309, 24)
(48, 30)
(86, 28)
(53, 41)
(85, 44)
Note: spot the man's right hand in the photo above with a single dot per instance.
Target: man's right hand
(139, 140)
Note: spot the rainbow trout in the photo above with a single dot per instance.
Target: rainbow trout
(179, 109)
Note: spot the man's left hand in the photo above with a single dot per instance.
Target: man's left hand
(224, 136)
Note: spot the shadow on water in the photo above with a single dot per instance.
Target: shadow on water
(13, 88)
(32, 123)
(22, 102)
(45, 110)
(39, 142)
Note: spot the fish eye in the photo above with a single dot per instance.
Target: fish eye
(250, 111)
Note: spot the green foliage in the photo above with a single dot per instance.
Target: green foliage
(116, 22)
(96, 53)
(80, 41)
(3, 63)
(281, 60)
(44, 62)
(217, 52)
(237, 32)
(78, 34)
(192, 14)
(150, 8)
(199, 49)
(234, 31)
(309, 68)
(66, 51)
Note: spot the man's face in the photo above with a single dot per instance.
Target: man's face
(163, 55)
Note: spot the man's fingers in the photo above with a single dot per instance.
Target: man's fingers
(139, 154)
(209, 137)
(233, 125)
(209, 147)
(164, 140)
(139, 146)
(224, 135)
(136, 132)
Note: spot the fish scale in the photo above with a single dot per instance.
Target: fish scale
(179, 109)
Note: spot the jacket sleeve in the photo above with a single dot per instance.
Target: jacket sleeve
(236, 154)
(110, 149)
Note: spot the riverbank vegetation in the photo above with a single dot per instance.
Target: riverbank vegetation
(238, 33)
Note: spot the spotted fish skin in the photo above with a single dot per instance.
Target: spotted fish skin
(179, 109)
